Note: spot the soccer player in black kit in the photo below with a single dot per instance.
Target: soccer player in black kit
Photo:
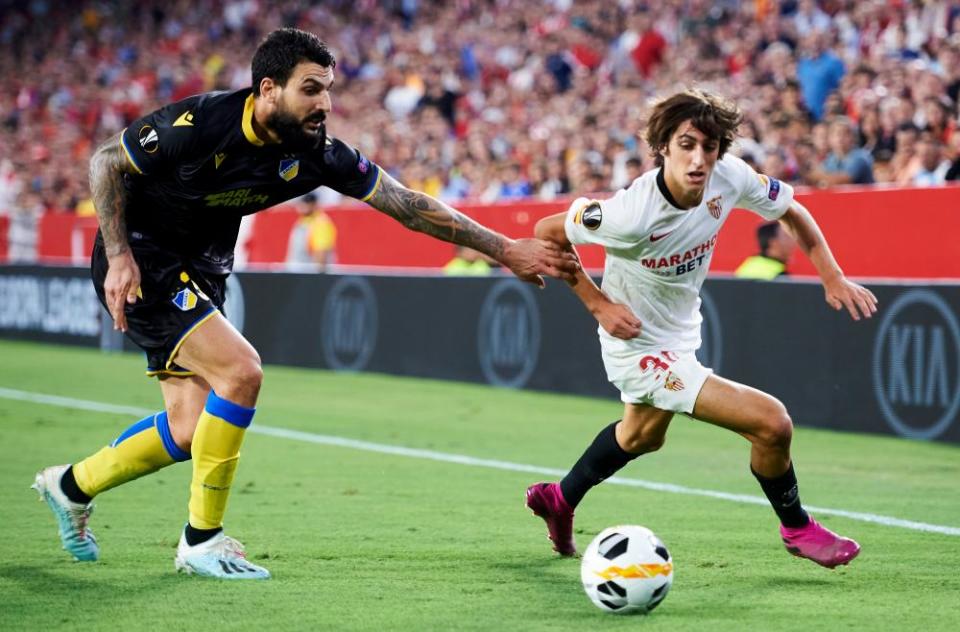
(170, 192)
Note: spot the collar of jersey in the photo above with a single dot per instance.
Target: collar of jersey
(247, 123)
(665, 191)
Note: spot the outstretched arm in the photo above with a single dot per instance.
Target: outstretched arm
(840, 292)
(527, 258)
(107, 166)
(616, 319)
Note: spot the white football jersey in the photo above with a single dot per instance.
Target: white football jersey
(657, 255)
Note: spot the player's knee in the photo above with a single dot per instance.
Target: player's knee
(248, 375)
(643, 442)
(182, 421)
(240, 381)
(652, 444)
(183, 435)
(777, 432)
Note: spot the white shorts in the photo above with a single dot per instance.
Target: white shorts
(662, 379)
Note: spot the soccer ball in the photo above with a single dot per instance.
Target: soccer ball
(626, 569)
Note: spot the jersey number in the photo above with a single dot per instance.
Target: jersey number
(650, 361)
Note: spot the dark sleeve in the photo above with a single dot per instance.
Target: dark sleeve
(349, 172)
(159, 140)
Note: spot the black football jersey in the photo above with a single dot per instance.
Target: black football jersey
(201, 167)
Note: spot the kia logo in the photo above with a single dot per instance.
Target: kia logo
(508, 340)
(916, 365)
(349, 324)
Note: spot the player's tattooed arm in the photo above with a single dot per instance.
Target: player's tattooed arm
(107, 166)
(421, 212)
(527, 258)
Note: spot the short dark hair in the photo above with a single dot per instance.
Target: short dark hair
(280, 52)
(766, 233)
(713, 115)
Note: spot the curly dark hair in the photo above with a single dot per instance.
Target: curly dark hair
(716, 117)
(280, 52)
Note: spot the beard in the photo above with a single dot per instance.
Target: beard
(292, 132)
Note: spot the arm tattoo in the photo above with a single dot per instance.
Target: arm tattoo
(420, 212)
(107, 166)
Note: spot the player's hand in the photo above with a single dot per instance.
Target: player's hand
(618, 320)
(120, 287)
(858, 300)
(530, 258)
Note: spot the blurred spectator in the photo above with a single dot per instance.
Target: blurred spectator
(820, 137)
(555, 183)
(873, 137)
(651, 45)
(22, 234)
(514, 185)
(457, 185)
(634, 169)
(421, 177)
(776, 248)
(596, 182)
(313, 237)
(933, 168)
(810, 19)
(936, 119)
(886, 145)
(791, 101)
(905, 162)
(467, 262)
(774, 165)
(847, 163)
(85, 208)
(819, 71)
(558, 64)
(10, 186)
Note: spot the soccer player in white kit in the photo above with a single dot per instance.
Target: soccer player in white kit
(659, 235)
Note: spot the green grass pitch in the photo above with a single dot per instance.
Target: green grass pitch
(357, 539)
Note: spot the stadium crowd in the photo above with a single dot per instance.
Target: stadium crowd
(499, 99)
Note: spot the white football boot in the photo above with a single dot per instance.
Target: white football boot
(221, 556)
(72, 517)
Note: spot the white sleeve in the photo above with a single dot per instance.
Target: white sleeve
(764, 195)
(610, 223)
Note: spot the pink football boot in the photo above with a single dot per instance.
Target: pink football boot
(546, 501)
(819, 544)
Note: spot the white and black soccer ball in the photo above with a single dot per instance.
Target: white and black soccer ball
(626, 569)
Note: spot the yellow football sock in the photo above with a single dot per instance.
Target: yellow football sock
(216, 452)
(143, 448)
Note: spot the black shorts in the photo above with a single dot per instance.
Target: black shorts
(172, 302)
